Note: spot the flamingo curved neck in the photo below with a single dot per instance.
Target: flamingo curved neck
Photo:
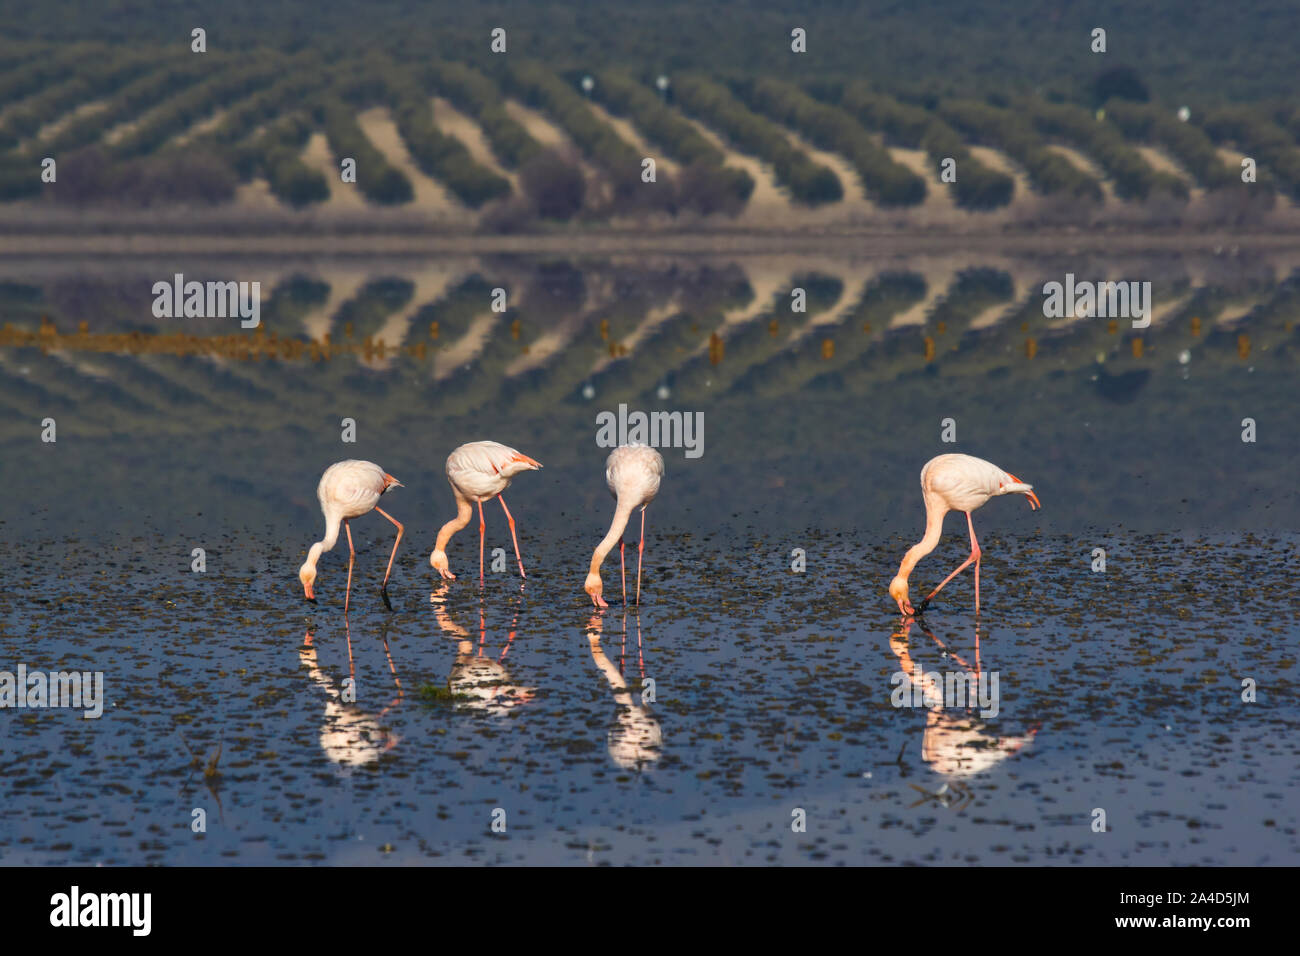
(331, 538)
(622, 511)
(325, 544)
(934, 512)
(463, 513)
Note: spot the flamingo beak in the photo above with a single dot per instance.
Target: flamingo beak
(391, 482)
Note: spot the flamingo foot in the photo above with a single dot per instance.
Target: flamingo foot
(383, 593)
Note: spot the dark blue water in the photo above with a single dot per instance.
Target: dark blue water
(743, 713)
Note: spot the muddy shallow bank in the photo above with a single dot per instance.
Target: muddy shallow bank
(694, 730)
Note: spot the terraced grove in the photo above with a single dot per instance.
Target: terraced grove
(507, 145)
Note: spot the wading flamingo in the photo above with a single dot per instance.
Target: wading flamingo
(347, 490)
(479, 472)
(954, 483)
(633, 473)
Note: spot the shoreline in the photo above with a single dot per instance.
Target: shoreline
(614, 242)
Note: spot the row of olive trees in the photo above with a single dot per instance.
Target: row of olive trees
(885, 181)
(1133, 176)
(475, 94)
(28, 74)
(1185, 142)
(1048, 171)
(808, 181)
(20, 167)
(130, 102)
(615, 159)
(276, 154)
(440, 156)
(704, 184)
(92, 81)
(1269, 144)
(377, 179)
(178, 113)
(977, 186)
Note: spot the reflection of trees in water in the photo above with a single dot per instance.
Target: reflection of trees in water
(350, 735)
(477, 681)
(636, 739)
(641, 326)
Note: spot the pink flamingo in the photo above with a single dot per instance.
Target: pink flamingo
(954, 483)
(633, 473)
(347, 490)
(479, 472)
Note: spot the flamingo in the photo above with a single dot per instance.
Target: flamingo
(954, 483)
(478, 472)
(633, 473)
(347, 490)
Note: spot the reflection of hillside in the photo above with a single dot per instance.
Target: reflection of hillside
(623, 332)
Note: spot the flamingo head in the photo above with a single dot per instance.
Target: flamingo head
(1015, 486)
(518, 464)
(307, 575)
(593, 587)
(438, 560)
(898, 591)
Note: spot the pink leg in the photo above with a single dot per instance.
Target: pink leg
(482, 532)
(352, 664)
(511, 519)
(974, 556)
(391, 666)
(383, 588)
(622, 566)
(640, 660)
(975, 550)
(352, 555)
(640, 551)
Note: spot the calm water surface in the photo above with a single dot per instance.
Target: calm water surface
(742, 696)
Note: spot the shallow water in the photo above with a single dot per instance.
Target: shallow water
(1118, 689)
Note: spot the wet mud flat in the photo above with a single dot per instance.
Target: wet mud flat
(745, 713)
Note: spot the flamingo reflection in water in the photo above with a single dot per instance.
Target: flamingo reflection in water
(955, 744)
(350, 735)
(636, 739)
(477, 680)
